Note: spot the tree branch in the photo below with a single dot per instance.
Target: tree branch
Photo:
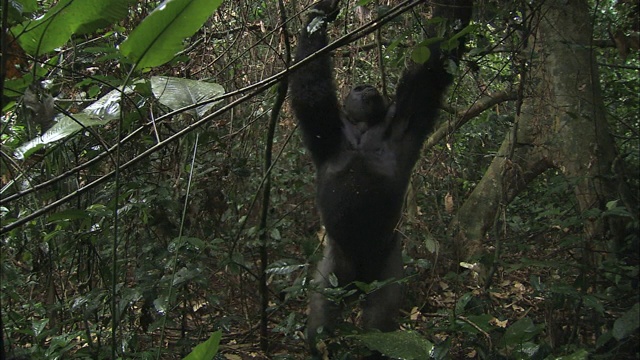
(464, 115)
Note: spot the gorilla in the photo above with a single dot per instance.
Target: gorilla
(364, 153)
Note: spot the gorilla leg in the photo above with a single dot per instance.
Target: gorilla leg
(324, 312)
(382, 306)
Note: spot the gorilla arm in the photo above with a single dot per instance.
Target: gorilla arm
(313, 94)
(419, 93)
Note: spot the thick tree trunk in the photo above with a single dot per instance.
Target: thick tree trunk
(584, 148)
(514, 166)
(562, 125)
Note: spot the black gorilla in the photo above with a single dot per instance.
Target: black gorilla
(364, 154)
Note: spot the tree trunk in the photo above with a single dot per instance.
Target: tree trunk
(513, 168)
(562, 125)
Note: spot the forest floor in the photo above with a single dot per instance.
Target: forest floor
(431, 298)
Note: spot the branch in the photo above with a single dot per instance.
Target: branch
(463, 116)
(251, 27)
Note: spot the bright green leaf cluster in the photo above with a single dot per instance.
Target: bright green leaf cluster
(66, 18)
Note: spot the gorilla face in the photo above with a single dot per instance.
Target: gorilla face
(364, 104)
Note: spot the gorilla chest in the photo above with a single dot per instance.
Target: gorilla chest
(360, 196)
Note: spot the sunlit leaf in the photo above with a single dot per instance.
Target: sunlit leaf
(420, 54)
(66, 18)
(160, 35)
(177, 93)
(206, 350)
(38, 326)
(101, 112)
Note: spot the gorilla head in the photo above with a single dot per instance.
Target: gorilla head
(364, 105)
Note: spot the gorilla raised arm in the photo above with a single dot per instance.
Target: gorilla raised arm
(364, 153)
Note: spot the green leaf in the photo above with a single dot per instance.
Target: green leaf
(520, 332)
(398, 344)
(206, 350)
(614, 209)
(453, 42)
(462, 303)
(420, 54)
(197, 243)
(176, 93)
(160, 35)
(612, 204)
(431, 244)
(592, 302)
(38, 326)
(275, 234)
(465, 31)
(66, 18)
(482, 321)
(185, 275)
(69, 214)
(333, 280)
(628, 323)
(101, 112)
(160, 304)
(17, 87)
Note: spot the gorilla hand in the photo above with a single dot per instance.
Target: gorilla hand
(329, 9)
(322, 13)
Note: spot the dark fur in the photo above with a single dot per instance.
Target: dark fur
(364, 155)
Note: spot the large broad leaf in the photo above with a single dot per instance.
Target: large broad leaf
(106, 109)
(206, 350)
(520, 332)
(177, 93)
(398, 344)
(66, 18)
(160, 35)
